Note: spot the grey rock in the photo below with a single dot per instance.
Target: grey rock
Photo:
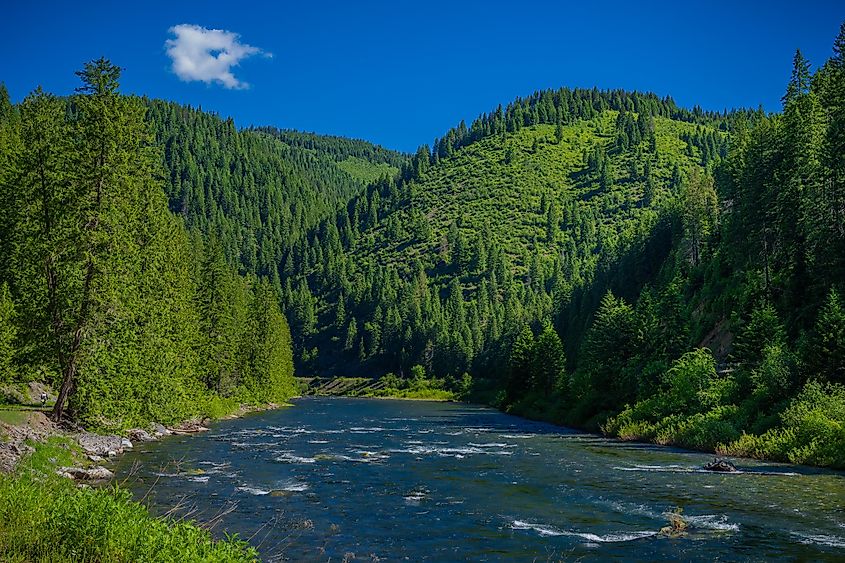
(159, 430)
(720, 466)
(94, 444)
(125, 443)
(95, 473)
(140, 435)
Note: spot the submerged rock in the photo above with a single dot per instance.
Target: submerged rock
(678, 525)
(720, 466)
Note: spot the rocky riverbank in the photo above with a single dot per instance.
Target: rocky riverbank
(29, 424)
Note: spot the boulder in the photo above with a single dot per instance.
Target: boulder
(720, 466)
(140, 435)
(95, 444)
(158, 430)
(95, 473)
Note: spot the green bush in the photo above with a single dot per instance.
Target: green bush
(812, 430)
(692, 384)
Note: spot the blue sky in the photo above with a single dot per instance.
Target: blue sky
(401, 73)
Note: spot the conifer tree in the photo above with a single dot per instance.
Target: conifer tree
(826, 351)
(8, 332)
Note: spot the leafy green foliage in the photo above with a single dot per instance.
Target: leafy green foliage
(812, 430)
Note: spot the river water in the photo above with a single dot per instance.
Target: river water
(407, 480)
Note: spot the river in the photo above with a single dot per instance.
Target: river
(411, 480)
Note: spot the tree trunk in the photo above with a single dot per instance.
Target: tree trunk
(70, 367)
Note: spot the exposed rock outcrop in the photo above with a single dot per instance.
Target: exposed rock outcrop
(95, 473)
(106, 446)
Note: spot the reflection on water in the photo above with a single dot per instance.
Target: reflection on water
(443, 482)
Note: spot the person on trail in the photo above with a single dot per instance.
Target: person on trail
(43, 398)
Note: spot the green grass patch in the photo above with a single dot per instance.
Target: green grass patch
(12, 416)
(45, 518)
(365, 170)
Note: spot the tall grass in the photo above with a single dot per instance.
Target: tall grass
(46, 518)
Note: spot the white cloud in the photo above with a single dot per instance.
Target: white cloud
(208, 55)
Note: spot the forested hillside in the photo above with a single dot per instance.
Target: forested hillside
(104, 293)
(258, 191)
(492, 229)
(755, 289)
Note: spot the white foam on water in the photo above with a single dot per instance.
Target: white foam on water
(215, 464)
(661, 469)
(318, 441)
(820, 539)
(292, 486)
(414, 498)
(341, 457)
(546, 530)
(247, 445)
(541, 529)
(290, 430)
(457, 452)
(367, 429)
(198, 478)
(288, 457)
(492, 445)
(517, 436)
(252, 490)
(717, 522)
(377, 456)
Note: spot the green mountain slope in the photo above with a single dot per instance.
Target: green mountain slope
(258, 191)
(360, 159)
(439, 267)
